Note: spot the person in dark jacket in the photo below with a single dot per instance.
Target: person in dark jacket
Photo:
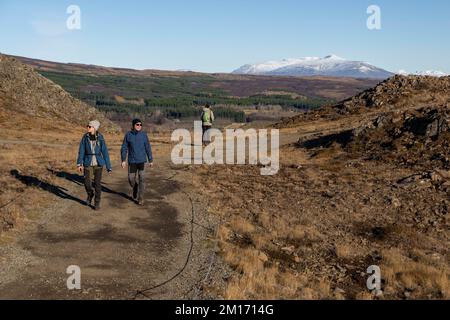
(137, 145)
(92, 157)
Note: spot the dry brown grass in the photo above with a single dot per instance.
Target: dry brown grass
(33, 147)
(30, 161)
(296, 236)
(344, 251)
(260, 275)
(262, 280)
(241, 225)
(364, 295)
(347, 251)
(418, 273)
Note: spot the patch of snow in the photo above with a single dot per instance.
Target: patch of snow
(432, 73)
(331, 65)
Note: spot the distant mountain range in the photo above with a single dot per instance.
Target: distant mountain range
(432, 73)
(331, 65)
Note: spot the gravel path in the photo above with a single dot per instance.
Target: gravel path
(122, 250)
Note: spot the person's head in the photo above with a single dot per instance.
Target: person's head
(93, 126)
(207, 106)
(137, 125)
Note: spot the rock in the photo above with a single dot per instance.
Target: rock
(438, 124)
(435, 177)
(445, 174)
(328, 194)
(263, 257)
(395, 202)
(289, 249)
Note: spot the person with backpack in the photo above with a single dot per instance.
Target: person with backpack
(139, 150)
(207, 118)
(92, 157)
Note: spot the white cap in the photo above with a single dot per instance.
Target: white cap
(95, 124)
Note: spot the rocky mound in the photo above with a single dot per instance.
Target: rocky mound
(405, 119)
(397, 93)
(25, 91)
(419, 137)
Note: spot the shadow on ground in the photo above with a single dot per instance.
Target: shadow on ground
(342, 138)
(60, 191)
(79, 180)
(54, 189)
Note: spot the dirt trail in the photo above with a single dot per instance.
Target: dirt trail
(121, 249)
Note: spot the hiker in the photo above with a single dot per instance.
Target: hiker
(137, 145)
(92, 157)
(207, 122)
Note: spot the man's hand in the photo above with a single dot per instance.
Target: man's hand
(80, 169)
(150, 164)
(124, 165)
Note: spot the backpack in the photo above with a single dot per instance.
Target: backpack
(98, 143)
(206, 117)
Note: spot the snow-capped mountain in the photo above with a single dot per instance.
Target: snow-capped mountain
(331, 65)
(432, 73)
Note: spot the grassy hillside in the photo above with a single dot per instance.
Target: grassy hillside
(179, 94)
(175, 97)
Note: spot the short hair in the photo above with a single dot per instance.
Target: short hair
(208, 106)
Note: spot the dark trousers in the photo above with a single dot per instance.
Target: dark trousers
(93, 182)
(205, 129)
(136, 178)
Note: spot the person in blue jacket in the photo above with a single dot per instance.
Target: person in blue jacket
(92, 157)
(137, 145)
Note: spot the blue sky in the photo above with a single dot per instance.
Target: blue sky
(220, 36)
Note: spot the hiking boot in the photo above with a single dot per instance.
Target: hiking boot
(141, 202)
(89, 200)
(97, 206)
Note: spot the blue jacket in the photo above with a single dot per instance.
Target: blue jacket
(101, 152)
(138, 147)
